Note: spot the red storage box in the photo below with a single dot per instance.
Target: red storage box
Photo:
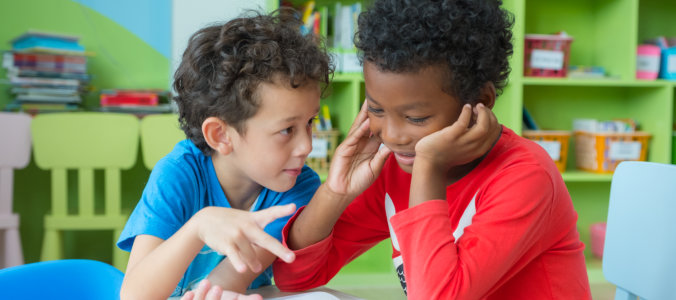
(546, 55)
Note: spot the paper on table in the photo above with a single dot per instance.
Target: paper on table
(307, 296)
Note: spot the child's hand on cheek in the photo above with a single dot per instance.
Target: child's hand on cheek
(358, 159)
(459, 143)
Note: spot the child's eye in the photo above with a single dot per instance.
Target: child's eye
(374, 110)
(286, 131)
(312, 121)
(417, 120)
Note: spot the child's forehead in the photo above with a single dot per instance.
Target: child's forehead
(280, 98)
(285, 81)
(410, 89)
(426, 76)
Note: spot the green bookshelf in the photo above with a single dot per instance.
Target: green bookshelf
(606, 33)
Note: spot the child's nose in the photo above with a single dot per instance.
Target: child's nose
(391, 132)
(304, 146)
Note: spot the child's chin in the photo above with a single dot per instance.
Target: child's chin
(281, 186)
(406, 168)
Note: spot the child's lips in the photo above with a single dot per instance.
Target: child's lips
(405, 158)
(293, 172)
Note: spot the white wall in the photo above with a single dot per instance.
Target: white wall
(190, 15)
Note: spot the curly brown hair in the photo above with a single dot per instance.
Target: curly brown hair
(223, 66)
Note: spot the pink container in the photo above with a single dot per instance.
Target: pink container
(647, 62)
(546, 55)
(598, 236)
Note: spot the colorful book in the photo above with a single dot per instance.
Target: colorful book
(46, 98)
(528, 120)
(48, 62)
(129, 98)
(42, 82)
(48, 42)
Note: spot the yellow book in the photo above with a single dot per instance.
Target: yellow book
(309, 7)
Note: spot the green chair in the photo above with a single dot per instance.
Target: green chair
(84, 142)
(159, 134)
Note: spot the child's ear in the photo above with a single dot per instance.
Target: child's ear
(487, 95)
(217, 134)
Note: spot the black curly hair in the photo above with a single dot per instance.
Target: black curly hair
(472, 38)
(223, 66)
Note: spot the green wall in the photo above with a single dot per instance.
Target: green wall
(119, 60)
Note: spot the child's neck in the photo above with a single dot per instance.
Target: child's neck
(238, 188)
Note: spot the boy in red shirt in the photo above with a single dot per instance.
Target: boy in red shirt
(474, 211)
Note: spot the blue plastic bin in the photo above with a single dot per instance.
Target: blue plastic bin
(668, 64)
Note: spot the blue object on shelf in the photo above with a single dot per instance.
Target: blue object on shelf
(668, 65)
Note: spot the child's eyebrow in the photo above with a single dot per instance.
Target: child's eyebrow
(405, 107)
(368, 97)
(294, 118)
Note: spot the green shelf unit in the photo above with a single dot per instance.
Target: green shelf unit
(606, 34)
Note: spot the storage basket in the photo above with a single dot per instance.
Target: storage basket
(324, 144)
(602, 152)
(546, 55)
(555, 142)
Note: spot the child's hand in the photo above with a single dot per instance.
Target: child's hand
(205, 292)
(459, 144)
(233, 233)
(357, 160)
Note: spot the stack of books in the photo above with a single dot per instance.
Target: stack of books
(47, 72)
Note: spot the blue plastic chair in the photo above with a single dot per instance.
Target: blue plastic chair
(62, 279)
(639, 254)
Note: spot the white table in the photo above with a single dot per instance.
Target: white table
(321, 293)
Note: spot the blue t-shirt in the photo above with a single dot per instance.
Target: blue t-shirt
(182, 183)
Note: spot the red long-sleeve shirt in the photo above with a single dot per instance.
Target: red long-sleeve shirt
(507, 230)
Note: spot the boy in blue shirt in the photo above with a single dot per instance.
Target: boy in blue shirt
(247, 93)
